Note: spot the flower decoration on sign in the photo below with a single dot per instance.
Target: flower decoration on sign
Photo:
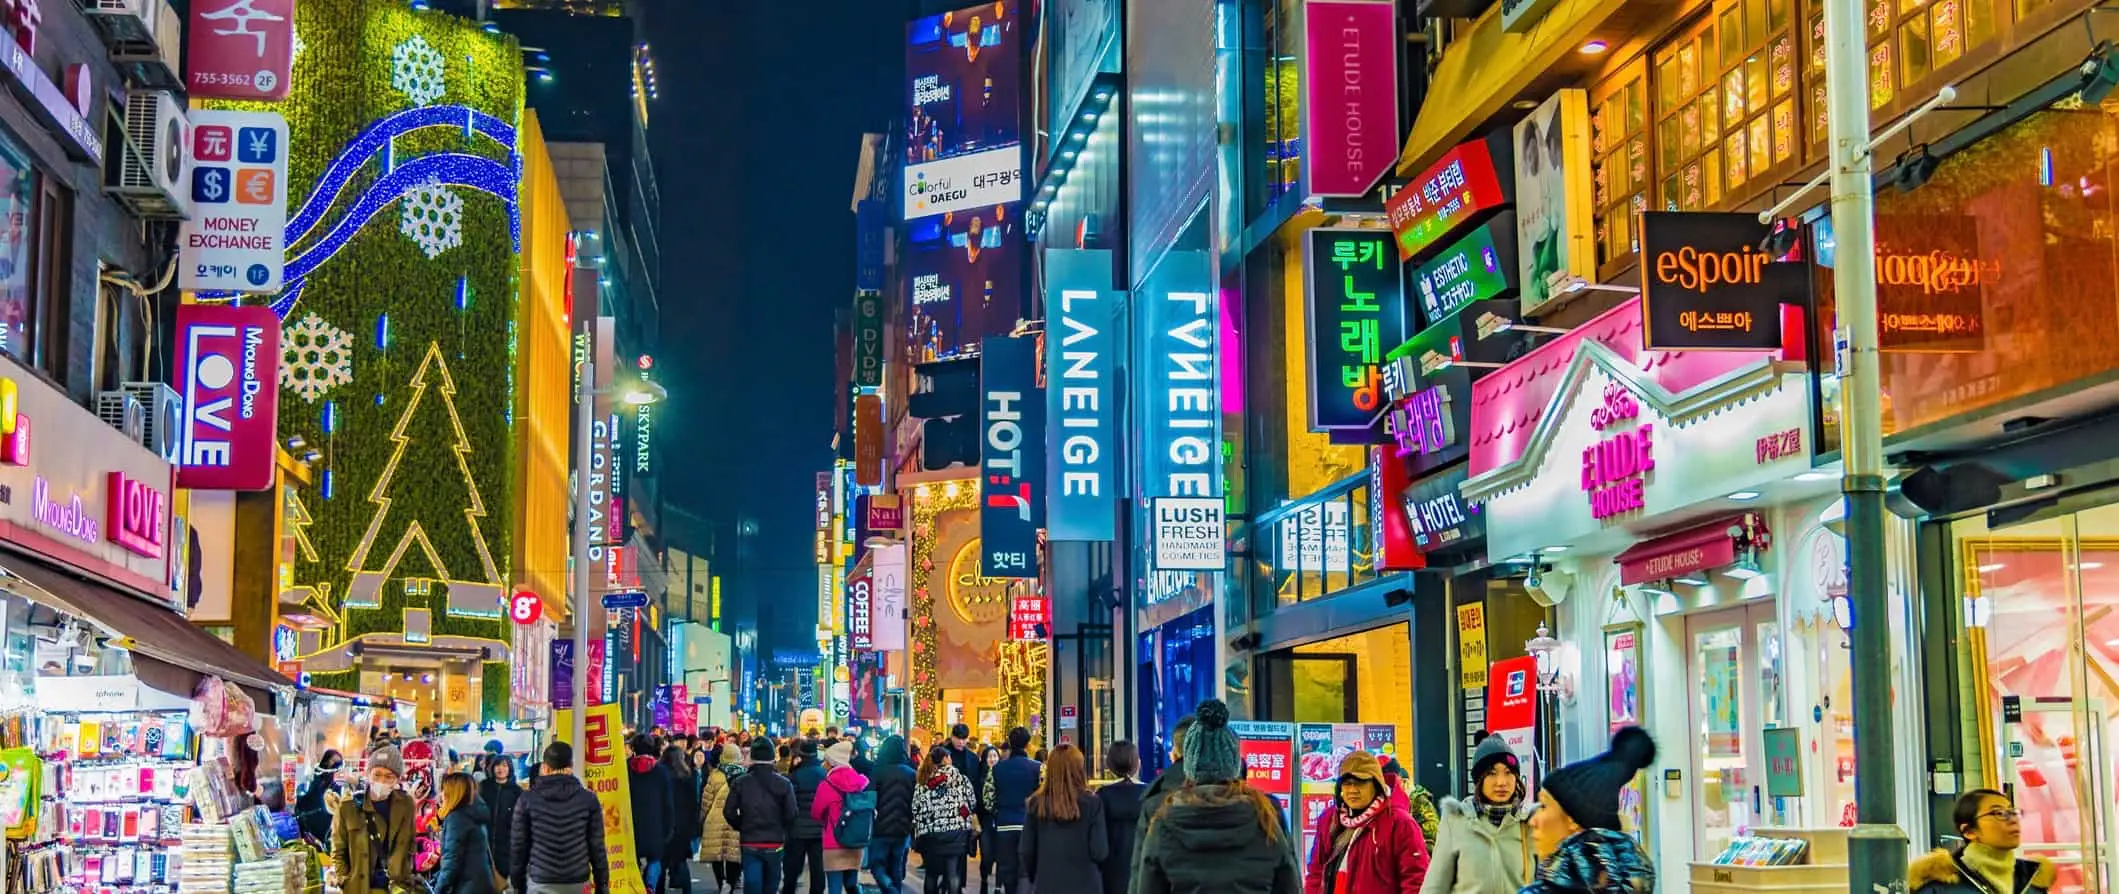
(315, 358)
(433, 218)
(417, 71)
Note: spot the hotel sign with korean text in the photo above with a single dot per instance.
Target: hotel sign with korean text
(227, 368)
(1082, 436)
(1460, 187)
(240, 49)
(1356, 306)
(1707, 285)
(1350, 95)
(1011, 457)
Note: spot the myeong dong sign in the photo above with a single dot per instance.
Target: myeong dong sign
(227, 375)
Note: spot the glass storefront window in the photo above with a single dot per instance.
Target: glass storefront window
(1283, 97)
(18, 291)
(1357, 678)
(1620, 170)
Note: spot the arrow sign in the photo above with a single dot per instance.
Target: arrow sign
(628, 599)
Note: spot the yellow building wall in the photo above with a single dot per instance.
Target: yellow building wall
(543, 376)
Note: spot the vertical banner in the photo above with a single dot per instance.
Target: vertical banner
(870, 222)
(239, 49)
(1512, 705)
(227, 369)
(887, 616)
(1029, 615)
(235, 237)
(1181, 397)
(860, 602)
(562, 661)
(1553, 200)
(602, 766)
(1079, 403)
(1350, 95)
(1011, 457)
(868, 340)
(823, 513)
(868, 440)
(1392, 531)
(1356, 307)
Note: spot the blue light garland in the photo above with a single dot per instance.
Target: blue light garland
(375, 140)
(443, 169)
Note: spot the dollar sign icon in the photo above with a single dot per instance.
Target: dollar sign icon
(216, 190)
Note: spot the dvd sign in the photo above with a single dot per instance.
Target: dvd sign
(227, 376)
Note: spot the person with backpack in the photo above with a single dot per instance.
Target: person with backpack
(846, 808)
(893, 781)
(761, 808)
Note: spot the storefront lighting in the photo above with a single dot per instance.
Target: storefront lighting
(1594, 47)
(1744, 496)
(1746, 568)
(1554, 550)
(1691, 580)
(1819, 475)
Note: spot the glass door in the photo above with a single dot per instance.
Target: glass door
(1736, 660)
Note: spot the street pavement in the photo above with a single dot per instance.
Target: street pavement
(915, 883)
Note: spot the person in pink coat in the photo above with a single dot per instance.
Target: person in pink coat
(842, 861)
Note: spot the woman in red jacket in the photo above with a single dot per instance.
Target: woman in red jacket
(1365, 843)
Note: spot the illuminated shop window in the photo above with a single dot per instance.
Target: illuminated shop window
(1620, 120)
(1283, 97)
(1725, 104)
(1910, 41)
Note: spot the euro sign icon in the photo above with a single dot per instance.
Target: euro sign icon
(216, 189)
(259, 189)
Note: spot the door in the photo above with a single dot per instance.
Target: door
(1735, 657)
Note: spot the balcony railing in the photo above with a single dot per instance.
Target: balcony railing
(1314, 547)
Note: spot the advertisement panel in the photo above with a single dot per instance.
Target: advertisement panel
(1323, 747)
(887, 617)
(1349, 95)
(1480, 266)
(1029, 616)
(227, 369)
(1707, 285)
(860, 617)
(1460, 187)
(1011, 457)
(1356, 312)
(867, 340)
(1553, 199)
(602, 763)
(1268, 750)
(963, 135)
(240, 49)
(1512, 704)
(1080, 406)
(965, 279)
(235, 239)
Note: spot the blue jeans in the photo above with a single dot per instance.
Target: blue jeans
(848, 880)
(761, 870)
(886, 862)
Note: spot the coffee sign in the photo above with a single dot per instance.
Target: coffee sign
(1707, 285)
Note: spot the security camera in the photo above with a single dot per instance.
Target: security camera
(1549, 588)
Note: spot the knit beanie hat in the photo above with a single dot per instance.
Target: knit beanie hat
(839, 754)
(1494, 750)
(1211, 751)
(387, 758)
(1589, 790)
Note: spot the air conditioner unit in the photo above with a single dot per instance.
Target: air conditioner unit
(124, 412)
(164, 433)
(123, 21)
(148, 176)
(157, 61)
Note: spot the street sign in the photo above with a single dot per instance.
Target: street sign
(628, 599)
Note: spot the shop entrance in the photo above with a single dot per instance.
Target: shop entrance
(1735, 663)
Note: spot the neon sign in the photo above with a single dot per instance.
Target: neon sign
(1615, 469)
(1450, 192)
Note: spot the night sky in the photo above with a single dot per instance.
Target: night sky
(756, 136)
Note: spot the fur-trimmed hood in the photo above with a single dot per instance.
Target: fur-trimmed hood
(1464, 808)
(1939, 871)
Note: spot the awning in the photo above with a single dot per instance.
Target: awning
(1701, 548)
(158, 634)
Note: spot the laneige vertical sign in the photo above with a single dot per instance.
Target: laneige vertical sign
(1079, 404)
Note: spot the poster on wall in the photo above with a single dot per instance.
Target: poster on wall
(963, 134)
(1355, 303)
(1323, 746)
(1268, 750)
(1622, 686)
(1553, 200)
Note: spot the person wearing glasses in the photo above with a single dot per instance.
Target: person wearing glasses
(1992, 828)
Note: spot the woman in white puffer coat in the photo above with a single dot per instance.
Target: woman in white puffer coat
(1484, 845)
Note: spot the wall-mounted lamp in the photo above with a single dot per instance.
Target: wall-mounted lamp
(1552, 680)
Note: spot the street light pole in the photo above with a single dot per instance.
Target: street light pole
(584, 601)
(1877, 846)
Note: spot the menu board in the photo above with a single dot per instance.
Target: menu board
(1323, 746)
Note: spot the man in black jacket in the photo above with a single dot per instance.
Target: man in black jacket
(969, 763)
(761, 808)
(556, 843)
(1151, 801)
(807, 845)
(648, 785)
(892, 778)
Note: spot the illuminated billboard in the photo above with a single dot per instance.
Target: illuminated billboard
(963, 132)
(965, 279)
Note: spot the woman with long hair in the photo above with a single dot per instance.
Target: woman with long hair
(1065, 842)
(1121, 813)
(685, 825)
(466, 857)
(1483, 845)
(721, 845)
(942, 820)
(1217, 835)
(986, 841)
(500, 792)
(1992, 829)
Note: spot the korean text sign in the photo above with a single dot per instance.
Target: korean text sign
(964, 92)
(1461, 186)
(240, 49)
(1707, 285)
(236, 238)
(1079, 402)
(603, 772)
(1011, 457)
(228, 377)
(1350, 101)
(1356, 306)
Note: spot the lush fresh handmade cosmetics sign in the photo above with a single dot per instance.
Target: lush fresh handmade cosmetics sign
(1011, 457)
(1079, 403)
(1356, 306)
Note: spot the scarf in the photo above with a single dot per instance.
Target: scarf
(1495, 814)
(1349, 819)
(1599, 861)
(1996, 867)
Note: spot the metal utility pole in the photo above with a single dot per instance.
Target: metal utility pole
(584, 601)
(1877, 849)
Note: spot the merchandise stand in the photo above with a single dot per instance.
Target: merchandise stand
(1782, 861)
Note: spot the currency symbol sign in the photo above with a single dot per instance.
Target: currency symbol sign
(215, 189)
(259, 189)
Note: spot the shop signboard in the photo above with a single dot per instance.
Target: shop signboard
(1471, 645)
(1512, 705)
(603, 772)
(1553, 199)
(1356, 309)
(1390, 530)
(860, 610)
(1268, 750)
(227, 367)
(963, 73)
(887, 618)
(79, 492)
(871, 232)
(1480, 266)
(1029, 616)
(1322, 747)
(885, 515)
(1080, 404)
(65, 110)
(821, 512)
(1439, 515)
(240, 49)
(1011, 457)
(1706, 284)
(1189, 534)
(235, 239)
(1180, 392)
(868, 434)
(1458, 189)
(1350, 95)
(868, 340)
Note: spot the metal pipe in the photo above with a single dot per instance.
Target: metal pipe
(1877, 846)
(1946, 94)
(584, 601)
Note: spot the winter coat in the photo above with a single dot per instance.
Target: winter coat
(685, 823)
(466, 854)
(1594, 861)
(1121, 820)
(557, 836)
(1944, 872)
(893, 781)
(1067, 856)
(1389, 857)
(1473, 856)
(1009, 787)
(500, 800)
(831, 800)
(1210, 840)
(942, 814)
(718, 842)
(653, 797)
(761, 806)
(359, 829)
(807, 776)
(1168, 783)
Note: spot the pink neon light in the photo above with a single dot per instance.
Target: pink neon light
(1230, 347)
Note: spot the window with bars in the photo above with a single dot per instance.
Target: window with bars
(1283, 97)
(1619, 144)
(1725, 103)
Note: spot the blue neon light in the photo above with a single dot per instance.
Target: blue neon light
(330, 420)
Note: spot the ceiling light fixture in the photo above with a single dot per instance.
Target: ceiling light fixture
(1594, 47)
(1744, 496)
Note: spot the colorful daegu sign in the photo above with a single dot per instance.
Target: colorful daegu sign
(1356, 306)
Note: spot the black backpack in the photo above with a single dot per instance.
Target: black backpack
(857, 819)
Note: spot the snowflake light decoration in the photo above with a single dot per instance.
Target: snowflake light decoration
(316, 357)
(432, 216)
(416, 70)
